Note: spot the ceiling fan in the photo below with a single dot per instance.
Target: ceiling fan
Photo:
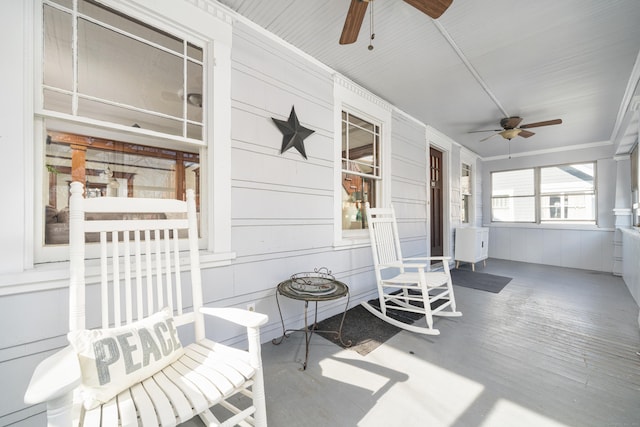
(511, 129)
(358, 8)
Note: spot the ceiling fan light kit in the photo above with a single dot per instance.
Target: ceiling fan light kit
(510, 133)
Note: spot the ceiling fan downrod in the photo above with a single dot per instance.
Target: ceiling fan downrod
(372, 35)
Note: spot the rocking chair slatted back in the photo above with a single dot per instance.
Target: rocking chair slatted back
(139, 259)
(383, 231)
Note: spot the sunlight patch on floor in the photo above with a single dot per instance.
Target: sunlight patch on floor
(506, 413)
(408, 390)
(360, 373)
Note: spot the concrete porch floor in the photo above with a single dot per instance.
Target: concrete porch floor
(557, 347)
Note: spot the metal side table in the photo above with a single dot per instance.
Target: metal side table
(312, 287)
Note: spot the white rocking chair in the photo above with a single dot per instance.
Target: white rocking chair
(144, 375)
(401, 290)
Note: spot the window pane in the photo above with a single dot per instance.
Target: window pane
(58, 62)
(465, 191)
(57, 101)
(512, 183)
(567, 178)
(111, 169)
(465, 179)
(194, 92)
(194, 52)
(573, 207)
(118, 20)
(128, 72)
(120, 69)
(515, 209)
(66, 3)
(568, 193)
(360, 169)
(360, 146)
(357, 121)
(464, 209)
(356, 191)
(115, 114)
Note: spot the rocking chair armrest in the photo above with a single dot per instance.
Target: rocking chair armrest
(249, 319)
(54, 377)
(404, 265)
(430, 258)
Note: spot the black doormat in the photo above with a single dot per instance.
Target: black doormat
(364, 330)
(480, 281)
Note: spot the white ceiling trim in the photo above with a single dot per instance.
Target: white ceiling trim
(355, 88)
(549, 151)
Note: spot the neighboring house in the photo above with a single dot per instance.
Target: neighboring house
(264, 214)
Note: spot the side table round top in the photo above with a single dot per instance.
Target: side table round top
(333, 290)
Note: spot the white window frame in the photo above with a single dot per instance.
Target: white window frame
(565, 194)
(357, 101)
(538, 195)
(214, 36)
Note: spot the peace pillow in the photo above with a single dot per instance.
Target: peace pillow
(114, 359)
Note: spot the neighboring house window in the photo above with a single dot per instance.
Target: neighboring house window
(465, 192)
(360, 169)
(567, 193)
(562, 193)
(121, 110)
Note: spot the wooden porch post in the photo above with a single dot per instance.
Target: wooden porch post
(78, 163)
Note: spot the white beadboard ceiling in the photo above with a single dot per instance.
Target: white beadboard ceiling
(484, 59)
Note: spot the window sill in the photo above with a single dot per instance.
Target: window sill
(586, 227)
(631, 231)
(55, 275)
(351, 243)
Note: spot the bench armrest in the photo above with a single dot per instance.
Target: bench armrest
(54, 377)
(249, 319)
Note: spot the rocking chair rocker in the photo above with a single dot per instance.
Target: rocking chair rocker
(400, 290)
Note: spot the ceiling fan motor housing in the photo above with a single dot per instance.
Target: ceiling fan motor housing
(510, 122)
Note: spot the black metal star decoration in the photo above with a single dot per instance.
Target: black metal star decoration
(293, 134)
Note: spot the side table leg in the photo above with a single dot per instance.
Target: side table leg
(307, 334)
(346, 307)
(277, 341)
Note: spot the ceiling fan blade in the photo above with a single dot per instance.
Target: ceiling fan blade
(486, 130)
(353, 22)
(538, 124)
(433, 8)
(525, 133)
(510, 122)
(490, 136)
